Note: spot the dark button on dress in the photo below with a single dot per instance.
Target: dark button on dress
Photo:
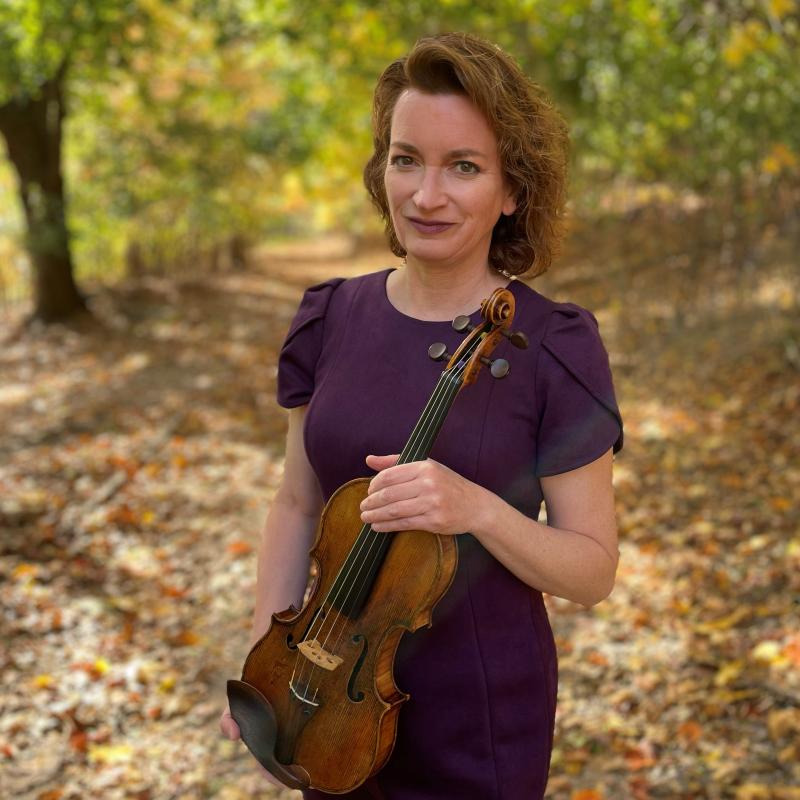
(483, 678)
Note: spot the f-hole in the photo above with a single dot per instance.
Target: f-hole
(357, 697)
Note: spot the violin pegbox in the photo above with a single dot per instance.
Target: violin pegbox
(497, 313)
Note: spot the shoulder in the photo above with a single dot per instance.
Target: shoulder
(333, 296)
(320, 295)
(569, 342)
(312, 329)
(549, 322)
(572, 364)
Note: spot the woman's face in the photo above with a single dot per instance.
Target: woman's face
(443, 178)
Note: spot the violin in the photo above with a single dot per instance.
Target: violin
(317, 704)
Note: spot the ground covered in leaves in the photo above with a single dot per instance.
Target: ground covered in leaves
(139, 455)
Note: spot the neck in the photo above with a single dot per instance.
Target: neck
(442, 291)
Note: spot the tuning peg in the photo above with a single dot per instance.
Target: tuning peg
(499, 367)
(462, 324)
(517, 338)
(438, 352)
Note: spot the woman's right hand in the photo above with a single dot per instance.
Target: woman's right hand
(229, 728)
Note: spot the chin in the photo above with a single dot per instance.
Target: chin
(430, 253)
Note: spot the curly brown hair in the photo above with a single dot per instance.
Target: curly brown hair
(532, 137)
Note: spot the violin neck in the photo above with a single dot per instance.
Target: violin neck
(354, 582)
(429, 424)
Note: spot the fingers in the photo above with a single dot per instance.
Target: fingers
(402, 514)
(390, 494)
(391, 475)
(382, 462)
(228, 726)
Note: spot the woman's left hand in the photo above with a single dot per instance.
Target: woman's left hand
(420, 495)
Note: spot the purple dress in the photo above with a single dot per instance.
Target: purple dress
(483, 678)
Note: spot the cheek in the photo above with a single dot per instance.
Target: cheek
(398, 196)
(486, 207)
(394, 200)
(390, 187)
(396, 187)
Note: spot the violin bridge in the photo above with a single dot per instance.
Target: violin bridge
(317, 654)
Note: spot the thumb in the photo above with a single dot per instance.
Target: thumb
(382, 462)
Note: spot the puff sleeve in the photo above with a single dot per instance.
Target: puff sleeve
(578, 414)
(301, 349)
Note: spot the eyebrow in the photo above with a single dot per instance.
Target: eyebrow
(462, 153)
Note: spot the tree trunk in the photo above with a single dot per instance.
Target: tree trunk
(32, 128)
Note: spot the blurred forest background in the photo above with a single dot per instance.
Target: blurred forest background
(174, 174)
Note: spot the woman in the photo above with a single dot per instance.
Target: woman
(469, 173)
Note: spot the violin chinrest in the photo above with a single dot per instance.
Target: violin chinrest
(258, 727)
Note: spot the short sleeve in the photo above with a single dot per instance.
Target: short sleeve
(578, 414)
(301, 349)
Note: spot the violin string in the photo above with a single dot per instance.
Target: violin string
(444, 391)
(364, 539)
(371, 557)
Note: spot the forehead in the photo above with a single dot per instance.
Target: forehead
(441, 122)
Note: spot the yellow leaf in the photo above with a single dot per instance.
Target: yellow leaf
(43, 681)
(779, 158)
(781, 8)
(24, 571)
(753, 791)
(766, 651)
(110, 753)
(101, 666)
(723, 623)
(728, 673)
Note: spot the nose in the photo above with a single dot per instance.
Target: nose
(430, 192)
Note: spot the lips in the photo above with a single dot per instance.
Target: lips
(430, 225)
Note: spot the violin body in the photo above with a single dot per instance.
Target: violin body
(333, 701)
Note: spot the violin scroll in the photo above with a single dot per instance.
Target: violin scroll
(498, 313)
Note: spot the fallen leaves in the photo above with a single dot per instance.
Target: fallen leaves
(125, 570)
(110, 754)
(133, 492)
(700, 632)
(239, 548)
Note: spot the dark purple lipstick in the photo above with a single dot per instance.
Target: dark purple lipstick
(429, 225)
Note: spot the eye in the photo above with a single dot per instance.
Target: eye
(467, 168)
(401, 161)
